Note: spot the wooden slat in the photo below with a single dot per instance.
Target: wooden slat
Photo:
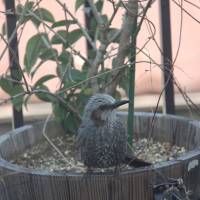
(17, 182)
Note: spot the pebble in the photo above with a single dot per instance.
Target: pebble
(44, 157)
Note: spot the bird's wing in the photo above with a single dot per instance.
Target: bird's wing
(118, 138)
(85, 132)
(120, 131)
(80, 141)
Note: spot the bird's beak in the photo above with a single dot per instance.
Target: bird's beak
(119, 103)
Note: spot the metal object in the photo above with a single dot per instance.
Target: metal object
(88, 20)
(169, 106)
(171, 189)
(13, 54)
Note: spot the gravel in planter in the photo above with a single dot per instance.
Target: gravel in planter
(44, 157)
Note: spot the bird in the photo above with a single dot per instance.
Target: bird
(102, 138)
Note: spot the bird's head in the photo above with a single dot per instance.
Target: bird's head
(101, 108)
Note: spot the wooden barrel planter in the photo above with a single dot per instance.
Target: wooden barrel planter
(20, 183)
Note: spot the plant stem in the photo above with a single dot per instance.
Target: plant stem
(132, 80)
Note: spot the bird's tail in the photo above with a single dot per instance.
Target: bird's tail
(133, 161)
(136, 162)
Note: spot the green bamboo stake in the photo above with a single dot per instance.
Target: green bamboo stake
(132, 81)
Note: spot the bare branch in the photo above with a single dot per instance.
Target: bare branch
(114, 13)
(187, 12)
(96, 14)
(124, 45)
(103, 29)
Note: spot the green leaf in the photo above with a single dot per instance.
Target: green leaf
(44, 15)
(99, 5)
(67, 39)
(78, 4)
(26, 100)
(7, 85)
(71, 123)
(33, 48)
(69, 76)
(19, 9)
(73, 36)
(64, 57)
(77, 75)
(83, 97)
(59, 37)
(61, 71)
(12, 89)
(65, 118)
(48, 54)
(35, 69)
(58, 112)
(44, 95)
(44, 79)
(63, 23)
(105, 19)
(88, 91)
(18, 101)
(23, 12)
(28, 5)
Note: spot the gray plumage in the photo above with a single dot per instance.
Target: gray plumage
(102, 138)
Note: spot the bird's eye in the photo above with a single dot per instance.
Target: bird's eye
(96, 115)
(104, 107)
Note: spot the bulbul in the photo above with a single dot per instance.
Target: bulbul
(102, 138)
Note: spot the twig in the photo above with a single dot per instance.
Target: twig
(98, 18)
(68, 106)
(114, 13)
(37, 91)
(51, 143)
(81, 56)
(88, 79)
(49, 27)
(12, 97)
(78, 23)
(193, 4)
(188, 13)
(180, 35)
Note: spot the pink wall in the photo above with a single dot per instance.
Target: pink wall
(148, 78)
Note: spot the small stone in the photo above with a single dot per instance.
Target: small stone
(67, 152)
(25, 155)
(44, 157)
